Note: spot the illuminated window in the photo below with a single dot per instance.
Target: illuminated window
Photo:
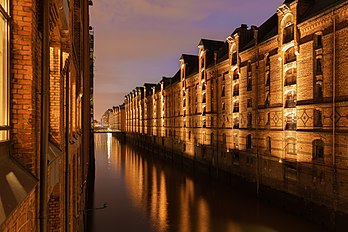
(4, 90)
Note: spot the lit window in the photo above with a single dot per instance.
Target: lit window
(4, 90)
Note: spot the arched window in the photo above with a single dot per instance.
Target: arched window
(288, 31)
(318, 149)
(248, 142)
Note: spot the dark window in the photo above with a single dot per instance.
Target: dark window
(318, 43)
(223, 106)
(204, 124)
(250, 103)
(267, 100)
(204, 86)
(236, 123)
(236, 90)
(204, 111)
(204, 100)
(212, 138)
(268, 79)
(318, 67)
(184, 147)
(223, 91)
(291, 122)
(290, 77)
(235, 74)
(268, 63)
(202, 63)
(224, 139)
(318, 118)
(318, 149)
(250, 120)
(290, 101)
(249, 67)
(268, 122)
(234, 58)
(268, 144)
(318, 92)
(288, 35)
(236, 107)
(289, 55)
(249, 84)
(202, 75)
(248, 142)
(189, 135)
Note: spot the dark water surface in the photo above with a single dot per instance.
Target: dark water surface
(144, 194)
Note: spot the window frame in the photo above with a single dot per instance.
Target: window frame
(5, 128)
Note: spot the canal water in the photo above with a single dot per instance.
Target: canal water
(144, 194)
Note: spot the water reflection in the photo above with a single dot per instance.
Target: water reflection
(144, 194)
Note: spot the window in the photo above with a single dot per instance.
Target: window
(236, 123)
(290, 77)
(268, 144)
(248, 142)
(189, 135)
(268, 122)
(318, 68)
(223, 91)
(236, 90)
(235, 74)
(318, 91)
(288, 34)
(318, 40)
(212, 138)
(202, 75)
(250, 103)
(318, 149)
(290, 99)
(267, 100)
(291, 122)
(236, 107)
(204, 100)
(249, 84)
(234, 59)
(250, 120)
(268, 62)
(289, 55)
(291, 146)
(223, 106)
(224, 139)
(4, 90)
(318, 118)
(202, 63)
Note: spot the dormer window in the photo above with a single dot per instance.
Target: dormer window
(288, 34)
(234, 58)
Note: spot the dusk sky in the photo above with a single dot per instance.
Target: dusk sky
(138, 41)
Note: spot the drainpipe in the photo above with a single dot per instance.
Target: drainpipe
(44, 117)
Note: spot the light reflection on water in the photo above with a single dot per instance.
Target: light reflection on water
(144, 194)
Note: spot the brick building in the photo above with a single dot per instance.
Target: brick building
(269, 104)
(45, 114)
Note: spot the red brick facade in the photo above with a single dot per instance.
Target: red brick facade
(66, 177)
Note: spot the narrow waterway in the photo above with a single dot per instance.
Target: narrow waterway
(144, 194)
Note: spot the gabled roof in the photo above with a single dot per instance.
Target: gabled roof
(211, 45)
(192, 63)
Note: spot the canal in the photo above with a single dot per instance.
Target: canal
(144, 194)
